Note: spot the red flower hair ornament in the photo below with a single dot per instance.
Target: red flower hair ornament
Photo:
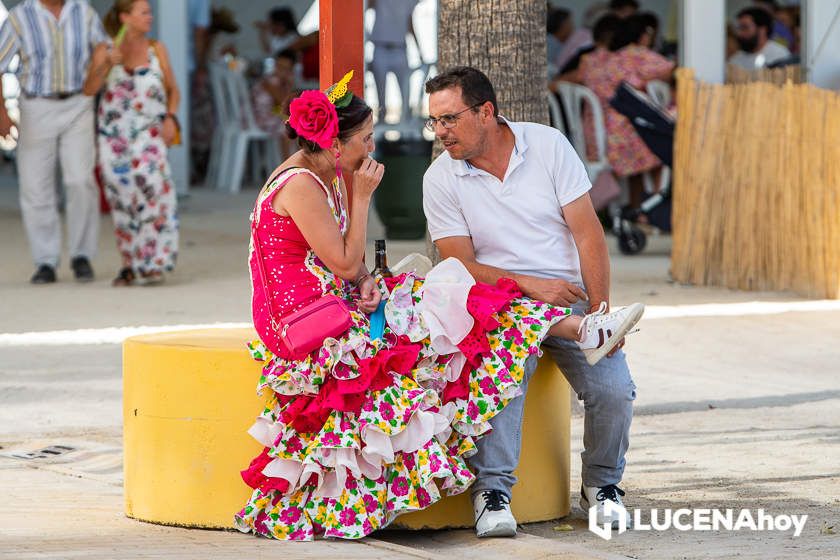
(314, 117)
(313, 114)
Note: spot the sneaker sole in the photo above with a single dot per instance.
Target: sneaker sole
(500, 530)
(629, 323)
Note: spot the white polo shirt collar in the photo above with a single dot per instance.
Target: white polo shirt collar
(463, 167)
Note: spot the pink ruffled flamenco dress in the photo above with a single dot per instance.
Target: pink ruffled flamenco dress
(361, 430)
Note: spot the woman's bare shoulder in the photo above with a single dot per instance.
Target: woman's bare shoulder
(302, 187)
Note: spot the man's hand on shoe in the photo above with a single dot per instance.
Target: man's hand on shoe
(618, 346)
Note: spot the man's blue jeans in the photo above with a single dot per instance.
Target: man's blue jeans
(607, 391)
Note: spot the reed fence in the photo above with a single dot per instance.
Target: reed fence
(757, 187)
(737, 75)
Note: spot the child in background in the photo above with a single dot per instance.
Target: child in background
(269, 96)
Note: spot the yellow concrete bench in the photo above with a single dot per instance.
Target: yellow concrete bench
(189, 399)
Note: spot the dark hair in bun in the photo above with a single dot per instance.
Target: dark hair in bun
(350, 119)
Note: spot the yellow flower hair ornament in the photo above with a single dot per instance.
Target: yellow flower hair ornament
(339, 94)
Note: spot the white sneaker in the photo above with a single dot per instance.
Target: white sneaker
(602, 331)
(492, 515)
(595, 496)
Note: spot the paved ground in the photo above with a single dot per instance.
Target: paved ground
(738, 407)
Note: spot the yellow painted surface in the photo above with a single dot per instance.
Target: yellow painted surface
(189, 399)
(542, 489)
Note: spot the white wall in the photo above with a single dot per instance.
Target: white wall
(101, 6)
(735, 6)
(170, 22)
(703, 38)
(246, 13)
(821, 35)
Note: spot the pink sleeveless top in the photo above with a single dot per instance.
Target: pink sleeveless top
(294, 275)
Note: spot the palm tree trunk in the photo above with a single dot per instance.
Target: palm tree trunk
(505, 39)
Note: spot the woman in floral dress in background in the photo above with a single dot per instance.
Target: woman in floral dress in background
(136, 125)
(366, 428)
(630, 59)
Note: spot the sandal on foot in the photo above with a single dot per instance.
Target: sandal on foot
(125, 277)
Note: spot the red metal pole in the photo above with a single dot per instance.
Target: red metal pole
(342, 42)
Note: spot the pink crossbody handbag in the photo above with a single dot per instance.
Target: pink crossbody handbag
(304, 330)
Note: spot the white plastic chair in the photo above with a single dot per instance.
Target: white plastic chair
(223, 121)
(555, 112)
(574, 97)
(660, 93)
(241, 133)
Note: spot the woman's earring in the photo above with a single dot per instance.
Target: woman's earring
(338, 165)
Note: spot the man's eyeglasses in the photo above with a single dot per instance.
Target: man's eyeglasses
(448, 121)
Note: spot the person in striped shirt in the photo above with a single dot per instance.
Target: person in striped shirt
(53, 41)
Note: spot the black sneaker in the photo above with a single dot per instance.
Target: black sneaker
(44, 275)
(82, 269)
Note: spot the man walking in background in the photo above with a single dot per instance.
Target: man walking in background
(393, 22)
(54, 39)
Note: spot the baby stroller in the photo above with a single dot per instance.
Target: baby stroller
(656, 129)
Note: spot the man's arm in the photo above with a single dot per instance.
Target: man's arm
(592, 249)
(554, 291)
(96, 31)
(447, 224)
(101, 62)
(9, 47)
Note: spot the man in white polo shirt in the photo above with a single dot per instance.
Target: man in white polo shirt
(509, 199)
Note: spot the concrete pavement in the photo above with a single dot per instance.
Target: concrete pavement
(737, 407)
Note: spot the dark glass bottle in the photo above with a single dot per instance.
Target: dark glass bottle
(381, 260)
